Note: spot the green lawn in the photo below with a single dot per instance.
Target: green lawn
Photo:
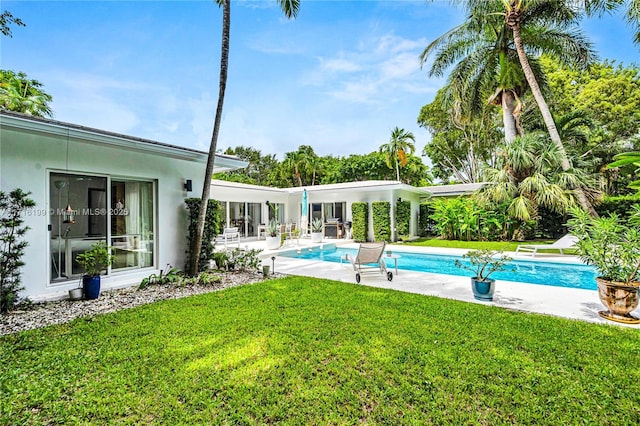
(491, 245)
(309, 351)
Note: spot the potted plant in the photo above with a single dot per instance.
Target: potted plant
(273, 239)
(483, 263)
(316, 231)
(613, 247)
(94, 261)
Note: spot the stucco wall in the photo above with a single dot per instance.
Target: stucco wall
(27, 158)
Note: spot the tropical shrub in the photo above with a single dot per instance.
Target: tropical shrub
(243, 260)
(212, 227)
(12, 245)
(96, 259)
(470, 219)
(528, 175)
(610, 244)
(483, 263)
(273, 228)
(173, 276)
(360, 221)
(620, 205)
(237, 259)
(381, 220)
(628, 158)
(166, 276)
(403, 218)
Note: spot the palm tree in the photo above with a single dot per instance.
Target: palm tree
(633, 17)
(19, 93)
(486, 64)
(487, 61)
(398, 149)
(290, 9)
(544, 16)
(291, 163)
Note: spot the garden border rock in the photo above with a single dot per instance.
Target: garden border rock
(62, 311)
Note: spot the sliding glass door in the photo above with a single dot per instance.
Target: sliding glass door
(246, 217)
(254, 218)
(87, 209)
(77, 220)
(132, 224)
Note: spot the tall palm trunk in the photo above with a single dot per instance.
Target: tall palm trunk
(508, 101)
(397, 168)
(298, 176)
(206, 186)
(513, 21)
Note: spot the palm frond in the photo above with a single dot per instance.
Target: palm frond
(553, 197)
(521, 208)
(570, 47)
(290, 7)
(533, 184)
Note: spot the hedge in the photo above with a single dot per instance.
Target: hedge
(381, 220)
(360, 219)
(426, 225)
(403, 218)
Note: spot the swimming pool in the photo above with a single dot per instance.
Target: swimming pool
(526, 271)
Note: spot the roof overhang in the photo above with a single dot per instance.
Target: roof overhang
(454, 190)
(247, 186)
(361, 186)
(8, 119)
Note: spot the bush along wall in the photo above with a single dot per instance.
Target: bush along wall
(212, 227)
(360, 219)
(12, 245)
(381, 220)
(403, 218)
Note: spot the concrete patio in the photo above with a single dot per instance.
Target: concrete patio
(557, 301)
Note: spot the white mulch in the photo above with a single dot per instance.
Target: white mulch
(58, 312)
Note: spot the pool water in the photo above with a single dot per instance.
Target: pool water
(525, 271)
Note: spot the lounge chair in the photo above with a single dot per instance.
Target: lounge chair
(229, 236)
(568, 241)
(369, 260)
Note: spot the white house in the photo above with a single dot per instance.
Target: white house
(123, 190)
(91, 185)
(245, 206)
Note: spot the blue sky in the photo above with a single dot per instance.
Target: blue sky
(339, 78)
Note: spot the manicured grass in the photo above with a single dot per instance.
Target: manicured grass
(309, 351)
(491, 245)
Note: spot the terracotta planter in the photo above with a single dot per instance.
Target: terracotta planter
(483, 290)
(620, 298)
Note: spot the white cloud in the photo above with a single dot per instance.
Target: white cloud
(401, 66)
(339, 65)
(376, 70)
(394, 44)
